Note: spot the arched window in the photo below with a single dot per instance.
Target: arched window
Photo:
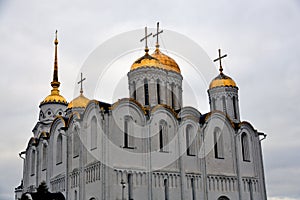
(223, 198)
(218, 141)
(190, 141)
(245, 147)
(166, 187)
(76, 144)
(163, 136)
(33, 162)
(59, 149)
(94, 133)
(134, 90)
(44, 159)
(158, 91)
(128, 132)
(146, 90)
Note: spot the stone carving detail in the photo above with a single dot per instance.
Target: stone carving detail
(222, 183)
(92, 172)
(58, 184)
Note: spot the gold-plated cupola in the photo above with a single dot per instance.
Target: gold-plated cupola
(167, 62)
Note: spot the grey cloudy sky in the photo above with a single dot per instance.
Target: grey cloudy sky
(261, 39)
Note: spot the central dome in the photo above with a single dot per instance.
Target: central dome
(169, 63)
(145, 61)
(157, 60)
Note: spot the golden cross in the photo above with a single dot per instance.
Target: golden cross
(220, 58)
(145, 38)
(80, 82)
(156, 34)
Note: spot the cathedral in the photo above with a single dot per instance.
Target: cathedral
(148, 146)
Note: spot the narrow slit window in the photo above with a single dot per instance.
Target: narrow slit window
(134, 90)
(234, 107)
(126, 132)
(33, 162)
(130, 186)
(193, 189)
(94, 133)
(59, 149)
(163, 136)
(146, 89)
(166, 189)
(245, 147)
(44, 164)
(218, 141)
(190, 141)
(224, 104)
(158, 91)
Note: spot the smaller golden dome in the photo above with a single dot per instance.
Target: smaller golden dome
(145, 61)
(222, 81)
(79, 102)
(168, 62)
(54, 97)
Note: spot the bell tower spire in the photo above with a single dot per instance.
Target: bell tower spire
(55, 83)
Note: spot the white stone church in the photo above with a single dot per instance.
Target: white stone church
(148, 146)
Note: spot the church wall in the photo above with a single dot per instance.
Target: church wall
(193, 187)
(191, 161)
(30, 180)
(139, 184)
(151, 158)
(225, 165)
(169, 152)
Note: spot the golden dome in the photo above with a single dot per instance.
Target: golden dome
(222, 81)
(167, 62)
(79, 102)
(146, 61)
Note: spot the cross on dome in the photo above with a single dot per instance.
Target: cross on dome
(220, 60)
(80, 82)
(156, 34)
(146, 39)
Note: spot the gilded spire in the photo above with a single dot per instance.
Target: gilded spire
(220, 59)
(55, 97)
(55, 83)
(146, 40)
(156, 35)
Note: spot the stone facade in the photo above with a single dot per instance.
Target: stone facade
(146, 149)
